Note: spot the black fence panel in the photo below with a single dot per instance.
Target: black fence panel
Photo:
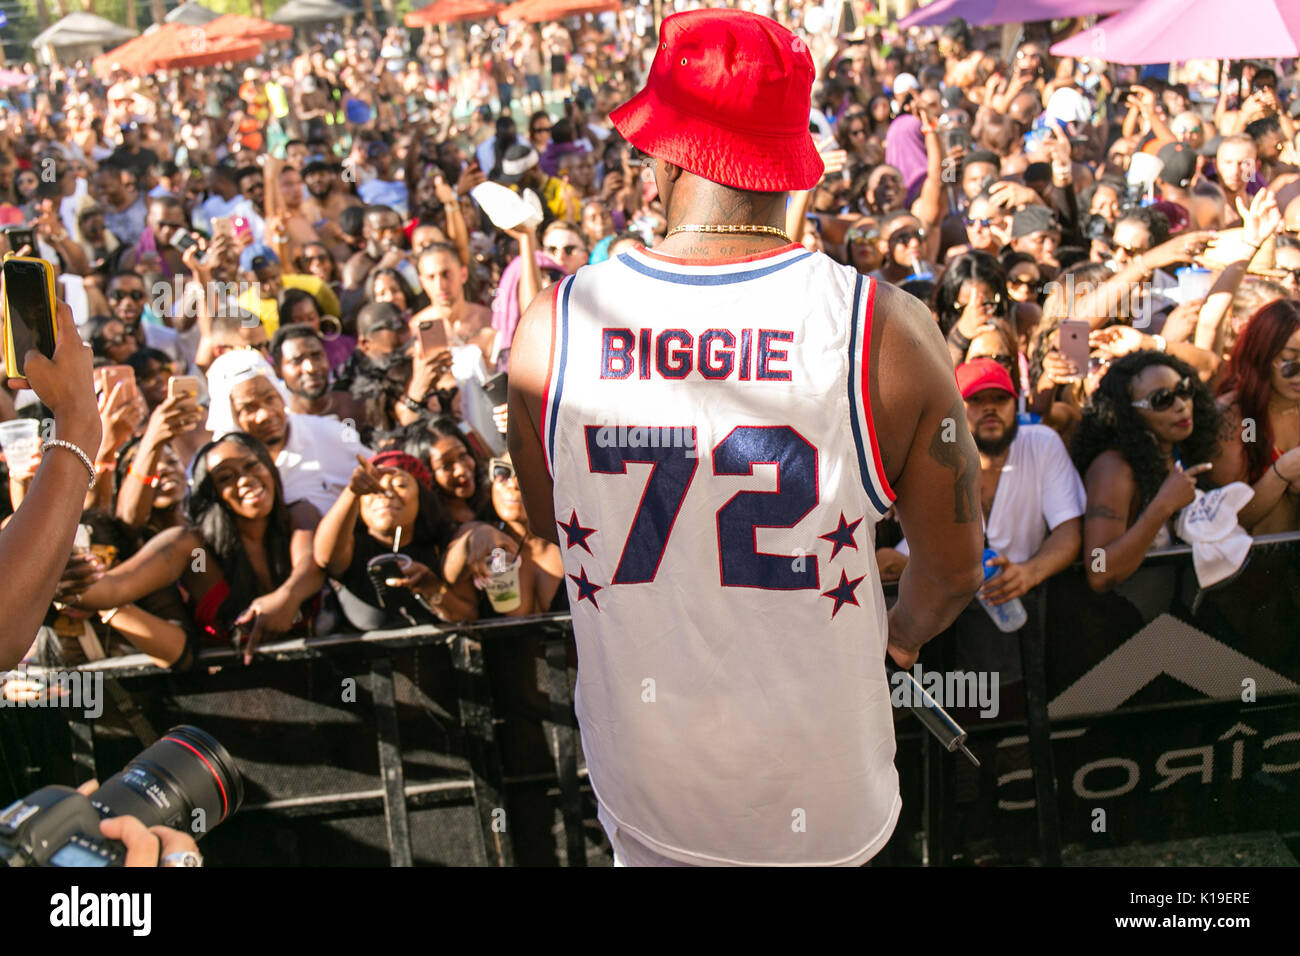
(1150, 713)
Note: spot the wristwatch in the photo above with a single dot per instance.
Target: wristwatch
(412, 404)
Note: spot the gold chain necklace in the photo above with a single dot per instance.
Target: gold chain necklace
(752, 230)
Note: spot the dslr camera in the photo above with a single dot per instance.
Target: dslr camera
(185, 771)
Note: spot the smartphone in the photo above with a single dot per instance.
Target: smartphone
(108, 376)
(182, 385)
(955, 137)
(20, 236)
(182, 240)
(29, 310)
(240, 226)
(1120, 94)
(432, 337)
(223, 226)
(496, 388)
(1074, 342)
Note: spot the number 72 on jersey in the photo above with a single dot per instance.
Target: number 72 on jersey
(741, 564)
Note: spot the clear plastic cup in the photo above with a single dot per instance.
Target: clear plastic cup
(502, 586)
(1194, 283)
(20, 439)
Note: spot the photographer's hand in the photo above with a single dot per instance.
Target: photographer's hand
(146, 846)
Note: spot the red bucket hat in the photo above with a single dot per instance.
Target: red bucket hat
(728, 98)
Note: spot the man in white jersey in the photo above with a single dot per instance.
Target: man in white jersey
(710, 432)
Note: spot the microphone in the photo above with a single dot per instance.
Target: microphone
(936, 720)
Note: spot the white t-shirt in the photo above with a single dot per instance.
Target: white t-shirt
(1039, 489)
(317, 461)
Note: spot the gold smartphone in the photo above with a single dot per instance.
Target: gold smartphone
(30, 308)
(182, 385)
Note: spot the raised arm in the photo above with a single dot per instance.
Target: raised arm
(930, 460)
(35, 544)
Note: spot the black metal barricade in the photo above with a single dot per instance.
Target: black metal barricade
(1150, 713)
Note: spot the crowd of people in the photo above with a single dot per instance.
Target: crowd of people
(312, 310)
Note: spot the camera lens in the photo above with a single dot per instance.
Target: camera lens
(184, 771)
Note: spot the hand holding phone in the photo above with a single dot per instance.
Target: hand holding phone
(29, 310)
(1074, 342)
(109, 376)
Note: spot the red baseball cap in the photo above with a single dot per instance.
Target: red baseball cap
(981, 373)
(728, 98)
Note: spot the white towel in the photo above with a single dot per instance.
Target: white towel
(1209, 525)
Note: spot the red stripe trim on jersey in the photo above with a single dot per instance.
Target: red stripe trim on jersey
(550, 367)
(864, 377)
(720, 260)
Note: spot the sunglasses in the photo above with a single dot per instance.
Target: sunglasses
(1162, 399)
(501, 470)
(1127, 250)
(862, 235)
(319, 257)
(982, 223)
(1294, 274)
(558, 251)
(904, 236)
(540, 129)
(117, 295)
(1289, 368)
(119, 339)
(1026, 282)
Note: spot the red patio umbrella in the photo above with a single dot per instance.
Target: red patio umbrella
(174, 46)
(537, 11)
(247, 28)
(451, 11)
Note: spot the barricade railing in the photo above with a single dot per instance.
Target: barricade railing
(1107, 703)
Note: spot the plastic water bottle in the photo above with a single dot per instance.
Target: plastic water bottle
(1009, 616)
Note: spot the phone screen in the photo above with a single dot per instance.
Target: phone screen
(30, 321)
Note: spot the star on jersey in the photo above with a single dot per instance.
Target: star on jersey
(843, 592)
(587, 590)
(842, 537)
(575, 533)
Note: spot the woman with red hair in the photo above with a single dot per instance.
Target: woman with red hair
(1260, 398)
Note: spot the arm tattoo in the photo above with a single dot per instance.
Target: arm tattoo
(963, 460)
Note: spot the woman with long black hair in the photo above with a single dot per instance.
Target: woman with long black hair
(1146, 439)
(244, 559)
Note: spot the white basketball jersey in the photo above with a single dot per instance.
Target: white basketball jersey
(717, 486)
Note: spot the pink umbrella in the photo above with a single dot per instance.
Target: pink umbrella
(1170, 31)
(982, 13)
